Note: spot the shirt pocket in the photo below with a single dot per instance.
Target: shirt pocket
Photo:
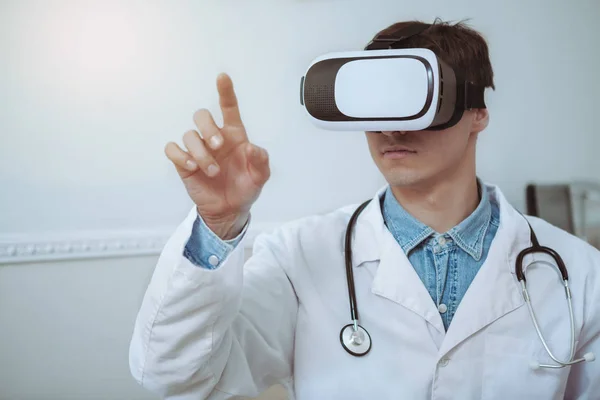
(508, 374)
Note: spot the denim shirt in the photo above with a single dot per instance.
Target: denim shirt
(205, 249)
(448, 262)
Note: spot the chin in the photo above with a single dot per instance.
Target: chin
(403, 178)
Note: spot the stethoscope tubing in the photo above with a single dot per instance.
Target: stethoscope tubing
(356, 339)
(349, 271)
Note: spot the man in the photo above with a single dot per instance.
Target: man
(433, 258)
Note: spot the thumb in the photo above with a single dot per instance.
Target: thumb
(258, 164)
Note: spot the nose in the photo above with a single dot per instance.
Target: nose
(393, 133)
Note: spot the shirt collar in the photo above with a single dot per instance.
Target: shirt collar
(410, 232)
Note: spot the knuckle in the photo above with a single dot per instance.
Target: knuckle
(209, 167)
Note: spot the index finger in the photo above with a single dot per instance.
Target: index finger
(228, 101)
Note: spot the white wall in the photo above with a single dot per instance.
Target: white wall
(65, 328)
(91, 91)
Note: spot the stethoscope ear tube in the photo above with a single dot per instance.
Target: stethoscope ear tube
(536, 248)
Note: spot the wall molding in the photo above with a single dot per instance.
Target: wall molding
(60, 246)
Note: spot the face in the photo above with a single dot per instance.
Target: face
(408, 158)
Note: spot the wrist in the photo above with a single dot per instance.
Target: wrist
(226, 227)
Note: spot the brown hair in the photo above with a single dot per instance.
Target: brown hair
(460, 46)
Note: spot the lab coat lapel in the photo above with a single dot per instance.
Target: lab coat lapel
(494, 292)
(395, 278)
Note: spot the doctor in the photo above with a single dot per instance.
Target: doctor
(434, 269)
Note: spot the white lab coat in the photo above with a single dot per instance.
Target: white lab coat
(234, 331)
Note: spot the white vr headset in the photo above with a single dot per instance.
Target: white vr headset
(386, 89)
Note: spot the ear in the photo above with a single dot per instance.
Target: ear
(481, 119)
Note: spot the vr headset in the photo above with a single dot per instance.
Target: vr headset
(383, 88)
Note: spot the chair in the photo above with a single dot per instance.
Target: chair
(553, 203)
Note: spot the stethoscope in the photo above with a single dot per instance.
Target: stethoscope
(356, 340)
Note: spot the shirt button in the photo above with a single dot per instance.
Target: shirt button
(213, 260)
(441, 240)
(444, 361)
(442, 308)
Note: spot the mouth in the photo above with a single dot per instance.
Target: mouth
(397, 152)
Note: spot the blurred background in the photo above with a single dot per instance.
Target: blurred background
(91, 91)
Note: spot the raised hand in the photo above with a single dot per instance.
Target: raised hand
(222, 171)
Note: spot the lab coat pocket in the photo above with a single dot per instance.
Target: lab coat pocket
(508, 371)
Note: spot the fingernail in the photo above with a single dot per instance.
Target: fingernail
(212, 170)
(191, 165)
(215, 142)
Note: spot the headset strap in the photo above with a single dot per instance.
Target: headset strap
(381, 42)
(474, 97)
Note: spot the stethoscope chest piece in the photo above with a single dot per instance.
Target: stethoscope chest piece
(355, 340)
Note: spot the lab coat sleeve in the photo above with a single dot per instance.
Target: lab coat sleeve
(220, 333)
(584, 378)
